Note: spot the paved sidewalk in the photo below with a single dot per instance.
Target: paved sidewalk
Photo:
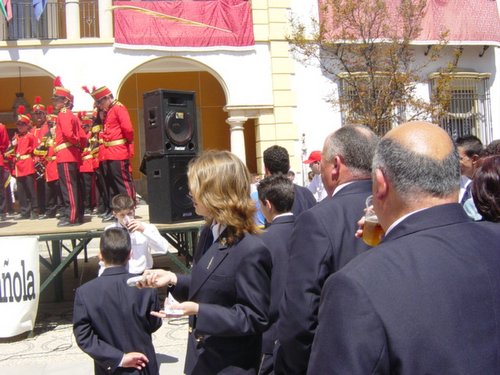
(52, 349)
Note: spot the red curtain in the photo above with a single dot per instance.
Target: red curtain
(199, 24)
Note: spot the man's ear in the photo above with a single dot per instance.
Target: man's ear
(269, 205)
(100, 256)
(474, 159)
(336, 165)
(265, 203)
(380, 184)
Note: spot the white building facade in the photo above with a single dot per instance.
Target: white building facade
(266, 98)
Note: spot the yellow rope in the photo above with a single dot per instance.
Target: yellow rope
(166, 16)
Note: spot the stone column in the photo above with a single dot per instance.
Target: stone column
(236, 125)
(72, 19)
(105, 19)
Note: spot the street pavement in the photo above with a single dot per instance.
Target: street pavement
(51, 347)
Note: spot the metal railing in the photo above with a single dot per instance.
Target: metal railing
(89, 19)
(52, 23)
(350, 114)
(469, 110)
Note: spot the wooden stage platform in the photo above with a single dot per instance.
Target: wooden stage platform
(66, 243)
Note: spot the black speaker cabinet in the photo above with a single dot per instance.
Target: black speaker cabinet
(170, 121)
(168, 192)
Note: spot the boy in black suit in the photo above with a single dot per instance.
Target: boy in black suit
(276, 196)
(112, 321)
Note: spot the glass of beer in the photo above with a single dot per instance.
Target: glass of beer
(372, 231)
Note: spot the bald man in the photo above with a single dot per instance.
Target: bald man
(427, 299)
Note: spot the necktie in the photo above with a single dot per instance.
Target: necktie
(467, 193)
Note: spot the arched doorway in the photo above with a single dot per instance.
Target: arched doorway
(181, 74)
(21, 78)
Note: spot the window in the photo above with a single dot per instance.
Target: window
(24, 24)
(52, 23)
(89, 18)
(369, 100)
(465, 99)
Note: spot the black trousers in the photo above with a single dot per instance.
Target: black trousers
(118, 178)
(3, 191)
(88, 188)
(27, 195)
(69, 182)
(103, 202)
(40, 192)
(53, 198)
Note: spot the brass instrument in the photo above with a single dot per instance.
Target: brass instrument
(42, 150)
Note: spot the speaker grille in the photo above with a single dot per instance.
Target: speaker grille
(170, 122)
(179, 127)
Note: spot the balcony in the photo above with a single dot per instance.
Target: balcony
(53, 23)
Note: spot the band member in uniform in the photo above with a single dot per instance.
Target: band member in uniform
(24, 144)
(39, 130)
(118, 138)
(87, 166)
(98, 150)
(53, 196)
(4, 144)
(68, 152)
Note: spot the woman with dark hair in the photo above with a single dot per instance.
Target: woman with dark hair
(226, 296)
(486, 188)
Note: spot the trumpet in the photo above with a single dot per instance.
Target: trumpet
(43, 148)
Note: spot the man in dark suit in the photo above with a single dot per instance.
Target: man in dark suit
(277, 160)
(276, 194)
(323, 241)
(112, 322)
(426, 300)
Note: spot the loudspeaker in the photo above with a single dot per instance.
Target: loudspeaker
(168, 192)
(170, 121)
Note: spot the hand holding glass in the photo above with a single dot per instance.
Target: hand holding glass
(372, 231)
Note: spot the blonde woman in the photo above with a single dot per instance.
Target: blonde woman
(226, 296)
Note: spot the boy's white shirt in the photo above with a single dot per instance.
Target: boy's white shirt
(143, 245)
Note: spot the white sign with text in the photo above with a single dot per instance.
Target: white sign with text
(19, 284)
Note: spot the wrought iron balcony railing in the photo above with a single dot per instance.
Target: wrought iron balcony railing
(52, 23)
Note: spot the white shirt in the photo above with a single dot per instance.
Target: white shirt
(217, 230)
(341, 186)
(464, 182)
(393, 225)
(316, 187)
(143, 245)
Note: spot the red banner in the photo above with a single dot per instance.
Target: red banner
(177, 24)
(466, 21)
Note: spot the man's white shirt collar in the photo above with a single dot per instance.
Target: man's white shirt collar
(393, 225)
(341, 186)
